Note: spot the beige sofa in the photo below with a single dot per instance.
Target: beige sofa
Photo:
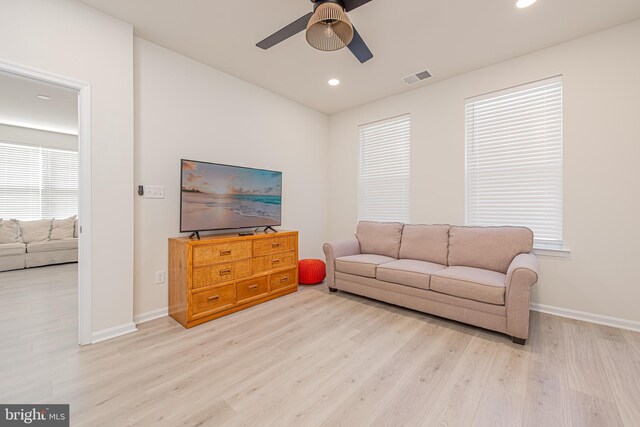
(25, 244)
(476, 275)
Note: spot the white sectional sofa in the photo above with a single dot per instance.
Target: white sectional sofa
(25, 244)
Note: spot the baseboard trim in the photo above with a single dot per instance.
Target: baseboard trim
(151, 315)
(599, 319)
(116, 331)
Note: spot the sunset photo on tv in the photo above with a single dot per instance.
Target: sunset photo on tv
(218, 197)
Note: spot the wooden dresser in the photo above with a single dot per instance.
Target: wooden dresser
(220, 275)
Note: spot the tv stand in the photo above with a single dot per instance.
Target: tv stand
(222, 274)
(195, 234)
(270, 228)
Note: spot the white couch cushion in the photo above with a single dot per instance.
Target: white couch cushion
(63, 228)
(361, 265)
(52, 245)
(408, 272)
(35, 231)
(7, 249)
(9, 231)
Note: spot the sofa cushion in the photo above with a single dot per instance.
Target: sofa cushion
(470, 283)
(491, 248)
(35, 231)
(408, 272)
(7, 249)
(9, 231)
(62, 228)
(379, 238)
(425, 243)
(52, 245)
(361, 265)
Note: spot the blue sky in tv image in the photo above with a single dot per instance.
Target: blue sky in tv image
(218, 196)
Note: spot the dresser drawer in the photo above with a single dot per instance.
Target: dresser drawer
(220, 273)
(250, 289)
(203, 303)
(274, 245)
(220, 252)
(272, 262)
(283, 280)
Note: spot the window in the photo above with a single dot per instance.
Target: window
(514, 160)
(383, 184)
(37, 182)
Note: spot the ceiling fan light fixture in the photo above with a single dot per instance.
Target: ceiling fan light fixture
(329, 28)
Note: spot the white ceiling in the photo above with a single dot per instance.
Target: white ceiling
(20, 105)
(446, 37)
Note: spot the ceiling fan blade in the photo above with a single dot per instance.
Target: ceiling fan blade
(290, 30)
(359, 48)
(349, 5)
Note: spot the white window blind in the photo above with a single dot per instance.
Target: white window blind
(385, 158)
(37, 182)
(514, 160)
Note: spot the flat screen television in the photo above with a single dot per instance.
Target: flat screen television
(221, 197)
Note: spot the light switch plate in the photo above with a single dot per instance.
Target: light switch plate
(153, 192)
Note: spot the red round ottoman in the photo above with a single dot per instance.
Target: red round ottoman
(311, 271)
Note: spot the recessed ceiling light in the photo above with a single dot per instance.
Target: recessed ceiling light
(45, 97)
(521, 4)
(334, 82)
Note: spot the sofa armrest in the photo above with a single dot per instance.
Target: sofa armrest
(521, 276)
(337, 249)
(523, 271)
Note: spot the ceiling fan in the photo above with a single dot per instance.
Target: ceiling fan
(328, 28)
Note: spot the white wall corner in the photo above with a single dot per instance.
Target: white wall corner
(151, 315)
(116, 331)
(599, 319)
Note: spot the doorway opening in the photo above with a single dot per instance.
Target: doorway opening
(45, 202)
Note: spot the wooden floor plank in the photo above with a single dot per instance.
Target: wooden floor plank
(584, 365)
(622, 370)
(503, 399)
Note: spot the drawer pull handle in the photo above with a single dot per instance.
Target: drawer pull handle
(253, 287)
(227, 252)
(225, 272)
(284, 279)
(275, 245)
(214, 298)
(275, 261)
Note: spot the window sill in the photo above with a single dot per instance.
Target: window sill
(552, 252)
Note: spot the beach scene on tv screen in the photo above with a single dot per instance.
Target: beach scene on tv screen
(218, 196)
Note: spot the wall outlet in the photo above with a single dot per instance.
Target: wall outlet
(153, 192)
(159, 277)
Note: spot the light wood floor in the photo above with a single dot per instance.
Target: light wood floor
(311, 358)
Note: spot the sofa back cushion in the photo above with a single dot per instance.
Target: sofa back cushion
(9, 231)
(425, 243)
(63, 228)
(35, 231)
(491, 248)
(380, 238)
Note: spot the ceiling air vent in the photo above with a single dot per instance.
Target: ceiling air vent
(415, 78)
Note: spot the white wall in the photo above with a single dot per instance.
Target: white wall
(184, 109)
(68, 39)
(601, 174)
(38, 137)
